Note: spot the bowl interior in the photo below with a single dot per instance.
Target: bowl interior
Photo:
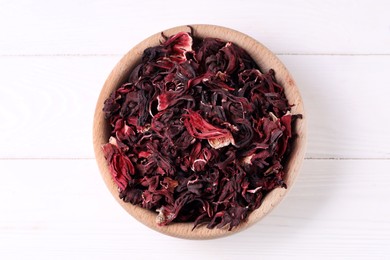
(266, 60)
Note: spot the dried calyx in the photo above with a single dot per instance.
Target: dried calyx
(199, 133)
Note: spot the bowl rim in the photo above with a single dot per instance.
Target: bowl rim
(265, 60)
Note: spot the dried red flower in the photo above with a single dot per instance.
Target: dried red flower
(199, 133)
(121, 167)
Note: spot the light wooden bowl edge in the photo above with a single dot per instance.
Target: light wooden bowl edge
(265, 60)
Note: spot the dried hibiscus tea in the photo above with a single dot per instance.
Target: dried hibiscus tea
(199, 133)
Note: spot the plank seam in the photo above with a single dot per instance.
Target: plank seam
(92, 158)
(119, 54)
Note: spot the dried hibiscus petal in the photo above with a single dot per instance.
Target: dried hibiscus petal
(199, 128)
(121, 167)
(199, 132)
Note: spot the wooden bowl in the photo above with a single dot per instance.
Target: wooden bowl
(266, 60)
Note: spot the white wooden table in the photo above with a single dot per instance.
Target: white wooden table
(54, 58)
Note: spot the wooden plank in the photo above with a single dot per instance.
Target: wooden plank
(47, 104)
(346, 100)
(61, 209)
(113, 27)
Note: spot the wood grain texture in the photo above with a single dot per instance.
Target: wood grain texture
(336, 209)
(110, 27)
(266, 60)
(47, 104)
(54, 58)
(347, 104)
